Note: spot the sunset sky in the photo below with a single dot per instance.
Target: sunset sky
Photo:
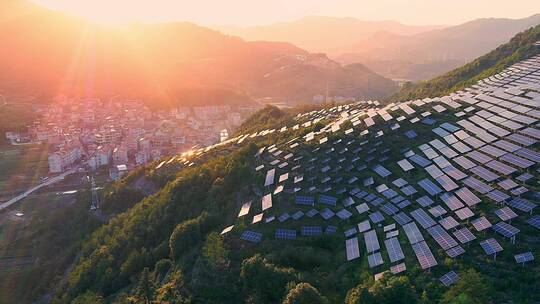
(258, 12)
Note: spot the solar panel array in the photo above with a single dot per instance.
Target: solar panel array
(484, 155)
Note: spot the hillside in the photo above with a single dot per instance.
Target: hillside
(324, 34)
(425, 55)
(520, 47)
(164, 62)
(417, 184)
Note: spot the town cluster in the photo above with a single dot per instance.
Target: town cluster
(120, 135)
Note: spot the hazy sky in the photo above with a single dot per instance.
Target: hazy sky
(255, 12)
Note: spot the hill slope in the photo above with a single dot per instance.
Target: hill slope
(161, 62)
(520, 47)
(167, 247)
(424, 55)
(330, 35)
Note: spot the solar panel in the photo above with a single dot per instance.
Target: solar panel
(372, 243)
(403, 204)
(422, 218)
(419, 160)
(468, 197)
(464, 213)
(352, 249)
(429, 187)
(400, 182)
(522, 204)
(399, 268)
(442, 237)
(424, 255)
(464, 162)
(376, 217)
(454, 173)
(389, 209)
(245, 209)
(330, 230)
(524, 257)
(344, 214)
(408, 190)
(437, 211)
(227, 230)
(285, 216)
(402, 218)
(350, 232)
(449, 278)
(448, 223)
(500, 167)
(484, 174)
(285, 234)
(269, 177)
(424, 201)
(446, 182)
(413, 233)
(464, 235)
(505, 229)
(382, 171)
(455, 251)
(491, 246)
(477, 185)
(311, 230)
(375, 260)
(516, 160)
(327, 200)
(251, 236)
(362, 208)
(267, 201)
(327, 214)
(505, 213)
(395, 253)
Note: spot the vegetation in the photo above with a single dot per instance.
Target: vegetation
(520, 47)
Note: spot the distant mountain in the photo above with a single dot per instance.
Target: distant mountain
(331, 35)
(425, 55)
(45, 53)
(520, 47)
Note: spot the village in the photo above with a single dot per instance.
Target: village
(92, 134)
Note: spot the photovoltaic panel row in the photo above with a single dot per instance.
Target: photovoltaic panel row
(449, 278)
(424, 255)
(251, 236)
(505, 229)
(413, 233)
(442, 237)
(430, 187)
(422, 218)
(372, 243)
(352, 249)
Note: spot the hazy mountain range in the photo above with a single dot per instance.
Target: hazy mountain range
(392, 49)
(46, 53)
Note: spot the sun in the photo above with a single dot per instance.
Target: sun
(107, 12)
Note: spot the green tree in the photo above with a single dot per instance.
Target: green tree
(145, 288)
(263, 279)
(304, 293)
(470, 288)
(88, 297)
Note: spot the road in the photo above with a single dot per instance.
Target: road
(48, 182)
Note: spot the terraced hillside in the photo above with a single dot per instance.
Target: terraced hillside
(428, 201)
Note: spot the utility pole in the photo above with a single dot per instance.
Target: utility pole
(95, 198)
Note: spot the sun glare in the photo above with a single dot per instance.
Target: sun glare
(117, 12)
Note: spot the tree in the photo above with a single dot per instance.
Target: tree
(359, 295)
(263, 279)
(145, 288)
(470, 288)
(88, 297)
(304, 293)
(388, 290)
(214, 249)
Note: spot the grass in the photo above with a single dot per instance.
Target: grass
(22, 166)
